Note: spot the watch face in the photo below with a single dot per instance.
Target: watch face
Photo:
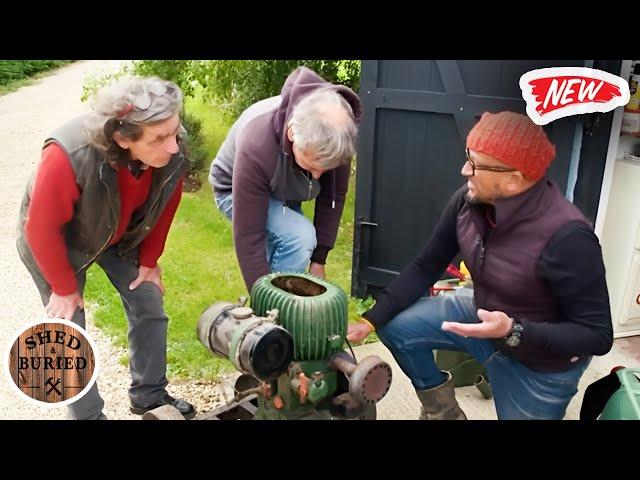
(512, 341)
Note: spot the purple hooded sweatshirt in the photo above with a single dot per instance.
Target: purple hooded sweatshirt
(256, 162)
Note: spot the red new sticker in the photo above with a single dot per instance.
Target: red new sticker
(553, 93)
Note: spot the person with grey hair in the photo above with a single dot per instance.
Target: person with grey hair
(105, 192)
(281, 151)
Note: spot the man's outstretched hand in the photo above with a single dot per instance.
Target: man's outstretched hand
(494, 325)
(357, 332)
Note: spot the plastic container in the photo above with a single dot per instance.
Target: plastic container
(630, 122)
(624, 404)
(634, 89)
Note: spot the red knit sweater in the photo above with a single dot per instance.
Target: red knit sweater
(54, 195)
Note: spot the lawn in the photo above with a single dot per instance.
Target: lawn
(200, 268)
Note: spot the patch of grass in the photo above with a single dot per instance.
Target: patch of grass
(200, 267)
(15, 74)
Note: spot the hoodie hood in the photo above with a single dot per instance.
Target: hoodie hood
(298, 85)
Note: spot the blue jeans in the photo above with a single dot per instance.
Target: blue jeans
(291, 237)
(519, 393)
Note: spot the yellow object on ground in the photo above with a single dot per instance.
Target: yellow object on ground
(463, 269)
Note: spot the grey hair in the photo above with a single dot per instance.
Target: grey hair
(333, 143)
(127, 106)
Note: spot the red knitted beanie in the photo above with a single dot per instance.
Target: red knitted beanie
(514, 140)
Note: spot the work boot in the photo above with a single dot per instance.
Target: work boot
(439, 403)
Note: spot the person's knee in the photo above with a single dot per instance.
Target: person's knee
(407, 329)
(390, 335)
(307, 239)
(301, 239)
(147, 300)
(381, 332)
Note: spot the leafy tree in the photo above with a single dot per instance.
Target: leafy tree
(236, 84)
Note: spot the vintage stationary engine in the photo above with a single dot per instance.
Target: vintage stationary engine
(289, 346)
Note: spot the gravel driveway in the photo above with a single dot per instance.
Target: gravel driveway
(26, 117)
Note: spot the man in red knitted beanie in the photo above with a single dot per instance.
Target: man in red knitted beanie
(506, 142)
(539, 310)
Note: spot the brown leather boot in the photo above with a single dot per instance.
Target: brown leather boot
(439, 403)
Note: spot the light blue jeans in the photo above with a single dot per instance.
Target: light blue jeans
(519, 393)
(291, 237)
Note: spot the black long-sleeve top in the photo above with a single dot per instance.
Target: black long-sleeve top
(571, 264)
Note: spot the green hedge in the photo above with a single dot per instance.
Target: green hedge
(12, 70)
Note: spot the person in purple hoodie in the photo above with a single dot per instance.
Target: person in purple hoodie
(540, 309)
(281, 151)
